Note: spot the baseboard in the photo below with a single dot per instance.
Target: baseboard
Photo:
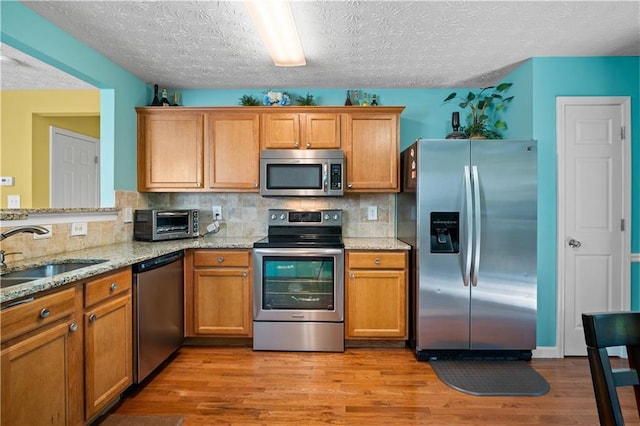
(547, 352)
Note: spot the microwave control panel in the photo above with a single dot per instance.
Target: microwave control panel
(335, 177)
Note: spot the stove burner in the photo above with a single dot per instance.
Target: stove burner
(293, 228)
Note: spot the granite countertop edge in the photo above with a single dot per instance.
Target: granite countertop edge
(121, 255)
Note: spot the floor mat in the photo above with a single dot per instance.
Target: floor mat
(126, 420)
(491, 378)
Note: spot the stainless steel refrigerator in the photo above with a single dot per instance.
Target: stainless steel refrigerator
(468, 208)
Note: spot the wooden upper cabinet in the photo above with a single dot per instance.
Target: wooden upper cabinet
(170, 150)
(309, 130)
(233, 151)
(371, 143)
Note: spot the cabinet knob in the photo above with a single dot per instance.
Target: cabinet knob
(93, 318)
(308, 144)
(114, 286)
(73, 326)
(44, 313)
(244, 273)
(349, 185)
(296, 145)
(377, 261)
(351, 275)
(220, 259)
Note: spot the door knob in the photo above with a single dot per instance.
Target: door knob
(574, 243)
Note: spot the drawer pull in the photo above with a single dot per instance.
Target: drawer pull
(114, 286)
(44, 313)
(73, 326)
(352, 275)
(220, 259)
(93, 318)
(377, 261)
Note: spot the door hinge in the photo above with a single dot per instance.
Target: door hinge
(96, 160)
(622, 225)
(623, 133)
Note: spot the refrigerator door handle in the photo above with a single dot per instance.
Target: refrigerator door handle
(469, 217)
(477, 215)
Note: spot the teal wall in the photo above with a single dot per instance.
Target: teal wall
(537, 83)
(553, 77)
(120, 91)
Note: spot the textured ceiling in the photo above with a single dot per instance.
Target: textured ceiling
(211, 44)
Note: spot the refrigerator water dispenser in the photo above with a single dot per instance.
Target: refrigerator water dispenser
(445, 232)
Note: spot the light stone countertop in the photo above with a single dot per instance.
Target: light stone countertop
(126, 254)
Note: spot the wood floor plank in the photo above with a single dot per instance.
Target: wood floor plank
(239, 386)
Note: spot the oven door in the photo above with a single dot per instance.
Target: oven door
(298, 284)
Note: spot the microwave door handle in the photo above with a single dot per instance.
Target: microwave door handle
(325, 177)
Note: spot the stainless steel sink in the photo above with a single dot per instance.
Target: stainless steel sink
(44, 271)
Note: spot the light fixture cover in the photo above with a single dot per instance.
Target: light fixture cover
(274, 21)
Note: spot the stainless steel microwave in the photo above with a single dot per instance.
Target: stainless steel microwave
(302, 173)
(162, 224)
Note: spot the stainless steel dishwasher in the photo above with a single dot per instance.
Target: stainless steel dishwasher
(158, 319)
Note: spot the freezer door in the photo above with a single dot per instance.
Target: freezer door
(503, 289)
(441, 293)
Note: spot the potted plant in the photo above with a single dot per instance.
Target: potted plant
(489, 99)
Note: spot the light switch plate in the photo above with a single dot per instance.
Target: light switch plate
(372, 213)
(127, 215)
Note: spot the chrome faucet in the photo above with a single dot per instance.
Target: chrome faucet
(34, 229)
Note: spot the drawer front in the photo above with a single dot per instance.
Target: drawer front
(220, 258)
(107, 286)
(39, 312)
(377, 260)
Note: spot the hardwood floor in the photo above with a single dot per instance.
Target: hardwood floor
(232, 385)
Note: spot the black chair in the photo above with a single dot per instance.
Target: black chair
(608, 329)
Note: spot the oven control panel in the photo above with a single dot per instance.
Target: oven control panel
(305, 218)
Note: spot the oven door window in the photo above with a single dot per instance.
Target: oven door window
(172, 222)
(298, 283)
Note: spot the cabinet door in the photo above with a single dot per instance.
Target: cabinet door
(376, 304)
(320, 131)
(170, 151)
(372, 150)
(234, 154)
(222, 302)
(280, 130)
(38, 385)
(108, 354)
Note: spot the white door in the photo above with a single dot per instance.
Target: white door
(593, 211)
(75, 169)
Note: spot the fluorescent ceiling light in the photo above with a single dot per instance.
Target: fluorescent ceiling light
(274, 21)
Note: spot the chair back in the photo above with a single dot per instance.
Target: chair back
(608, 329)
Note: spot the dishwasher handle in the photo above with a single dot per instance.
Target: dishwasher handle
(157, 262)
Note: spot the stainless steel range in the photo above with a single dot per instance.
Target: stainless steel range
(298, 302)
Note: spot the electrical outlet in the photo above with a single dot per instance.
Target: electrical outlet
(372, 213)
(44, 236)
(13, 201)
(127, 215)
(217, 212)
(78, 228)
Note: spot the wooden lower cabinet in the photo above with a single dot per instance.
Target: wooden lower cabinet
(219, 294)
(108, 340)
(41, 361)
(376, 295)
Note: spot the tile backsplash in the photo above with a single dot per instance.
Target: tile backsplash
(244, 215)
